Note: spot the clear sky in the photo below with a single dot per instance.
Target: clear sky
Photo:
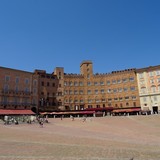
(113, 34)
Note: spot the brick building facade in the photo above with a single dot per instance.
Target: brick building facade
(63, 91)
(118, 89)
(16, 89)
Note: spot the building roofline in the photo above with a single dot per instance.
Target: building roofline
(86, 62)
(15, 70)
(150, 68)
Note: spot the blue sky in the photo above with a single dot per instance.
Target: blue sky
(113, 34)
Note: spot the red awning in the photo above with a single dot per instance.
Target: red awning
(68, 113)
(126, 110)
(15, 112)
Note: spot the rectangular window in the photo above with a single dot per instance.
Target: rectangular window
(143, 90)
(35, 82)
(158, 80)
(109, 90)
(142, 82)
(34, 91)
(140, 75)
(7, 78)
(97, 100)
(153, 88)
(6, 87)
(152, 81)
(125, 89)
(81, 83)
(131, 79)
(96, 91)
(81, 101)
(144, 99)
(81, 92)
(158, 72)
(120, 89)
(113, 81)
(132, 88)
(101, 83)
(75, 83)
(127, 98)
(26, 90)
(65, 92)
(65, 83)
(5, 100)
(17, 80)
(70, 92)
(134, 97)
(96, 83)
(119, 81)
(120, 98)
(70, 84)
(88, 83)
(89, 100)
(124, 80)
(151, 74)
(110, 99)
(102, 91)
(26, 81)
(155, 98)
(42, 83)
(108, 82)
(75, 92)
(89, 91)
(59, 93)
(115, 90)
(16, 89)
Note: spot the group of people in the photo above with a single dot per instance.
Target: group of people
(41, 120)
(29, 119)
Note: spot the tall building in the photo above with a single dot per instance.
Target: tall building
(118, 89)
(16, 88)
(63, 91)
(50, 89)
(149, 88)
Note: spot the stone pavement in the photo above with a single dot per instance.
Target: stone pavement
(105, 138)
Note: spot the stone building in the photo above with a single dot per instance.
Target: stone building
(16, 89)
(149, 88)
(62, 91)
(50, 89)
(118, 89)
(36, 90)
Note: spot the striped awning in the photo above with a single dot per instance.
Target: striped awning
(126, 110)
